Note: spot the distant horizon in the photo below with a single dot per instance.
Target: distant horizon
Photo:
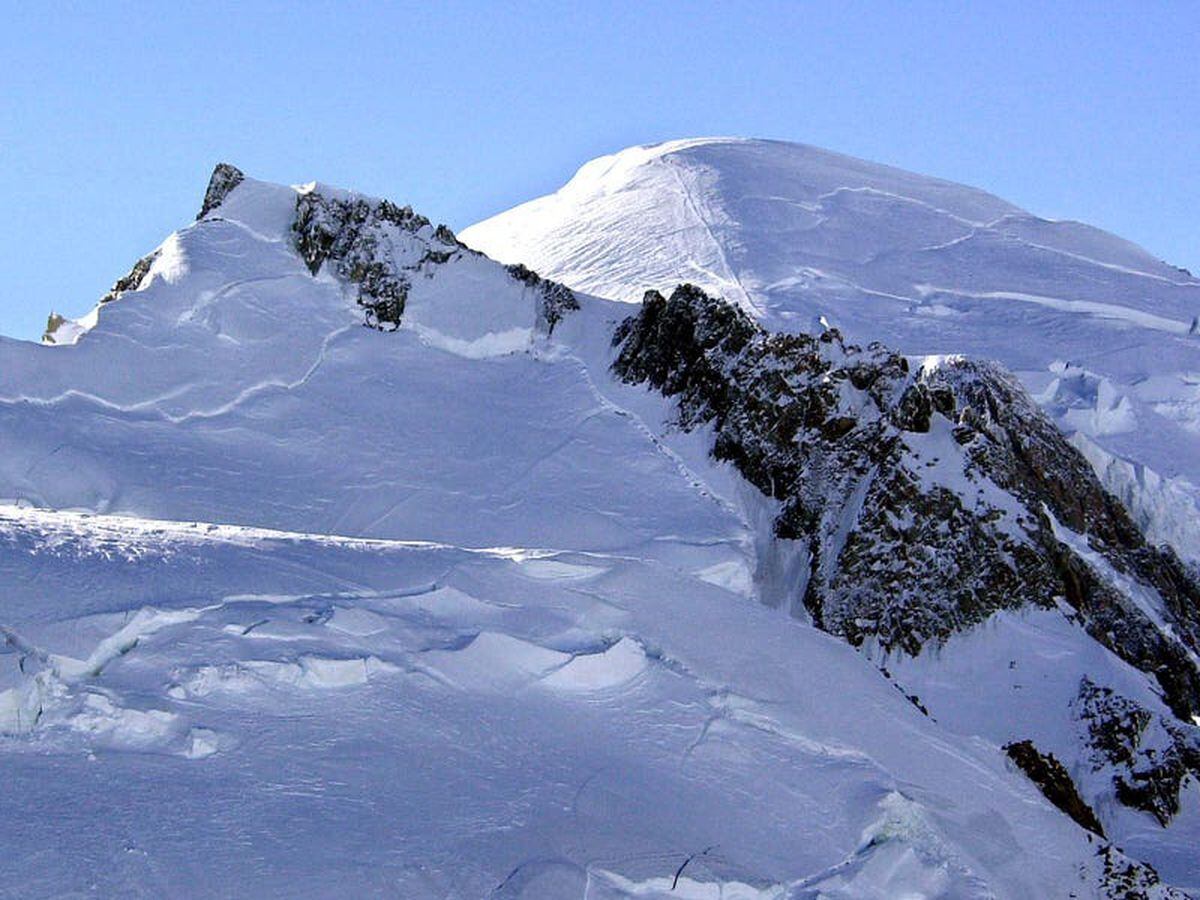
(462, 114)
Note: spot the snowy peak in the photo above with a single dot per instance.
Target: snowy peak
(374, 248)
(807, 173)
(1098, 329)
(699, 200)
(744, 197)
(318, 475)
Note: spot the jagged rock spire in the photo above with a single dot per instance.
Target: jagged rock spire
(224, 179)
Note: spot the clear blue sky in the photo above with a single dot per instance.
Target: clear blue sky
(112, 115)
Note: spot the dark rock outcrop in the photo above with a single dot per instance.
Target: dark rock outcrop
(224, 179)
(1053, 781)
(925, 501)
(133, 280)
(1123, 878)
(1152, 758)
(54, 322)
(556, 299)
(355, 235)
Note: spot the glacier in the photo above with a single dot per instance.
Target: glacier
(297, 606)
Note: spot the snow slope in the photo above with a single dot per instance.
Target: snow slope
(295, 606)
(1097, 328)
(228, 711)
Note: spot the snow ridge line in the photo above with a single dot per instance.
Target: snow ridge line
(1091, 307)
(105, 526)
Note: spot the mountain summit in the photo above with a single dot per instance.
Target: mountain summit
(1096, 328)
(340, 558)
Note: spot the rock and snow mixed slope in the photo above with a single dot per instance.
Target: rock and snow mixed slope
(912, 506)
(446, 606)
(1102, 333)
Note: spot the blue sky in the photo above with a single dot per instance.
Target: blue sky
(111, 119)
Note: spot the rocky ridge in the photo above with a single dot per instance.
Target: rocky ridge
(372, 244)
(923, 499)
(361, 237)
(1150, 759)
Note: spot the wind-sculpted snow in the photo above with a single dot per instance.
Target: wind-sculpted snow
(297, 606)
(327, 716)
(1100, 332)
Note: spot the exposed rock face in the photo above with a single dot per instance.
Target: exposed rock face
(359, 236)
(133, 280)
(1151, 758)
(557, 299)
(1128, 879)
(925, 501)
(223, 180)
(54, 322)
(1053, 781)
(1026, 454)
(1009, 440)
(379, 247)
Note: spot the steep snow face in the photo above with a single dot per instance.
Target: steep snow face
(439, 607)
(1101, 331)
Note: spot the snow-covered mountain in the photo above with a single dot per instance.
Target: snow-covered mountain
(519, 592)
(1101, 332)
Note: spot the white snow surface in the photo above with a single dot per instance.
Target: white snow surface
(293, 607)
(492, 733)
(1098, 328)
